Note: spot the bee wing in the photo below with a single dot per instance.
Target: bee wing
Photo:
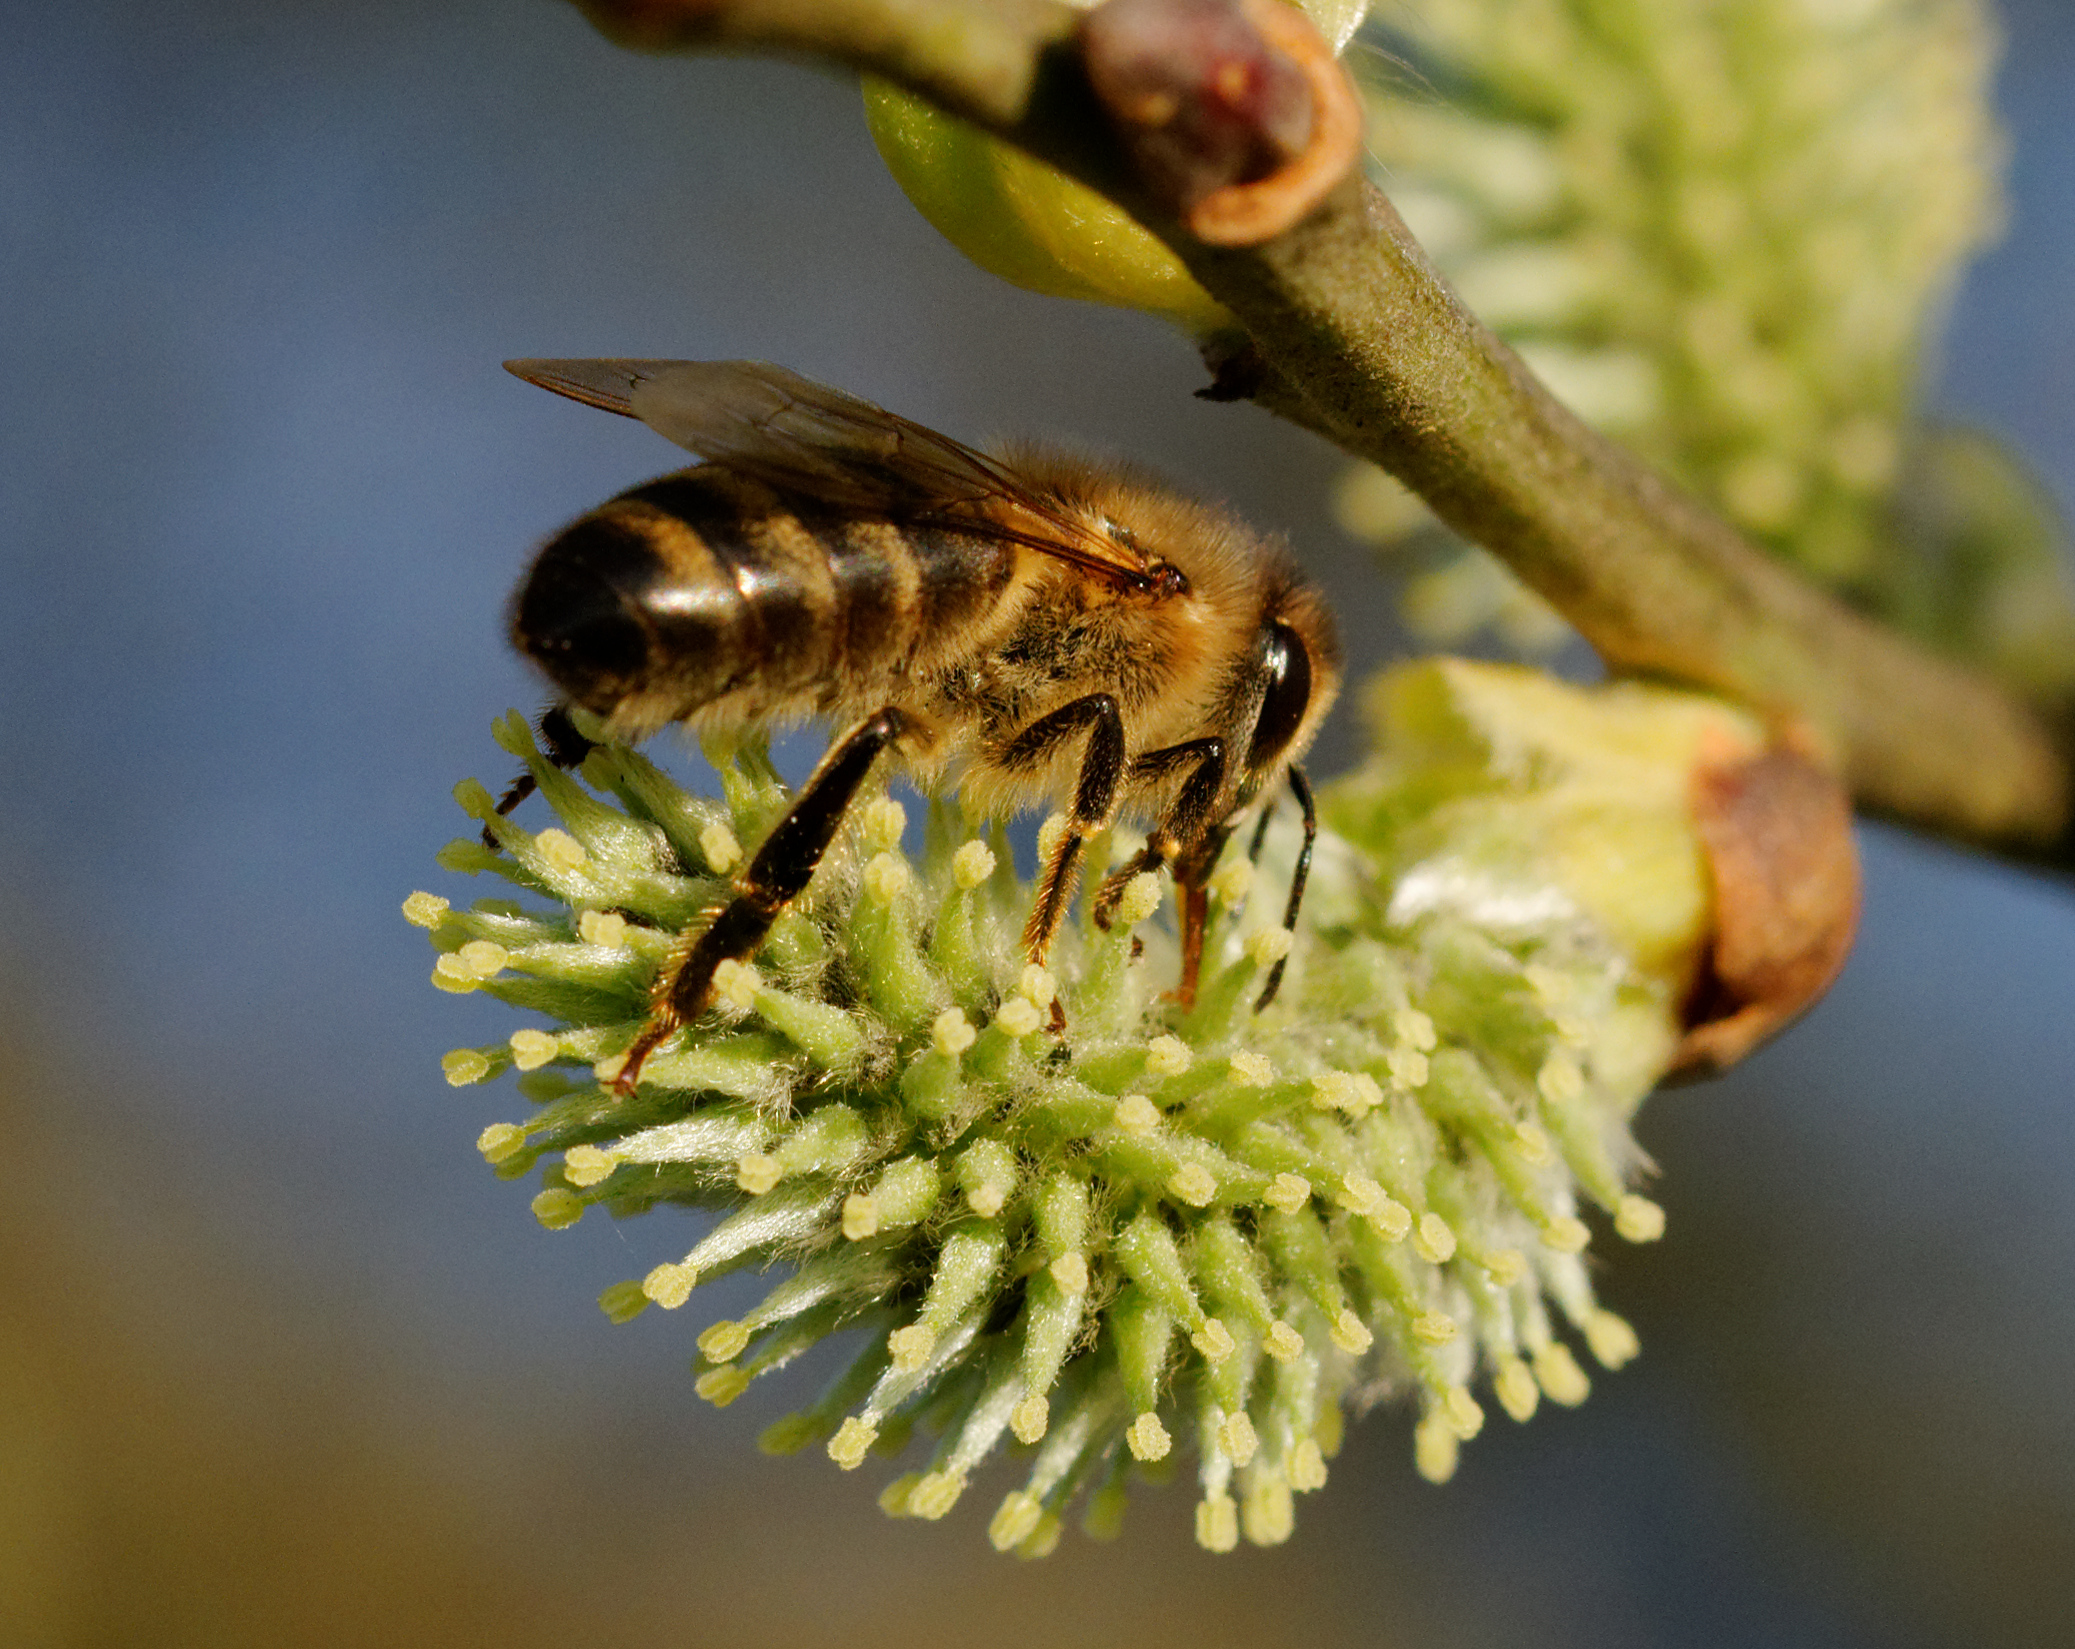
(794, 433)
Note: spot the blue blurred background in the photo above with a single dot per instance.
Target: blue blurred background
(280, 1360)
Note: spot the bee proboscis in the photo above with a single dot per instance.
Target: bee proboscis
(1034, 626)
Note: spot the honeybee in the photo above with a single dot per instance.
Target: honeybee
(1029, 627)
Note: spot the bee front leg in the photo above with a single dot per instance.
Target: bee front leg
(778, 874)
(1181, 839)
(1095, 794)
(1300, 787)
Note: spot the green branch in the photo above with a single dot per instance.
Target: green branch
(1349, 331)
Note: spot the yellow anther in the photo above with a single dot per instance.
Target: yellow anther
(1044, 1539)
(1559, 1375)
(1237, 1437)
(860, 1216)
(1307, 1466)
(1434, 1241)
(1049, 835)
(1038, 985)
(950, 1034)
(1354, 1092)
(935, 1494)
(853, 1438)
(1436, 1328)
(1514, 1386)
(986, 1198)
(607, 1070)
(1217, 1523)
(1287, 1192)
(736, 984)
(1267, 1515)
(1135, 1114)
(451, 974)
(721, 1386)
(972, 864)
(500, 1140)
(484, 958)
(1251, 1070)
(1140, 898)
(1018, 1016)
(1360, 1194)
(886, 877)
(423, 910)
(1415, 1029)
(1231, 882)
(1566, 1234)
(670, 1285)
(884, 821)
(1015, 1520)
(1193, 1184)
(586, 1165)
(1408, 1068)
(1612, 1340)
(1435, 1448)
(1070, 1272)
(1167, 1056)
(893, 1499)
(1533, 1145)
(717, 845)
(911, 1346)
(1268, 947)
(1351, 1334)
(562, 851)
(1330, 1429)
(724, 1341)
(557, 1208)
(1506, 1267)
(1147, 1438)
(532, 1049)
(1638, 1219)
(623, 1302)
(1029, 1420)
(757, 1173)
(604, 928)
(1283, 1343)
(1464, 1414)
(1214, 1340)
(464, 1066)
(1393, 1220)
(1560, 1078)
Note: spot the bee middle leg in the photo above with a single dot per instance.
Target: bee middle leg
(1095, 795)
(779, 873)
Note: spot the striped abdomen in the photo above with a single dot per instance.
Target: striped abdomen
(705, 585)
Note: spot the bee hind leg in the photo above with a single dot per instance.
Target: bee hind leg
(777, 875)
(566, 747)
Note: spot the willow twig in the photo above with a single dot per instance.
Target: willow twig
(1351, 332)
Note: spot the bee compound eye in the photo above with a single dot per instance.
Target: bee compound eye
(1287, 664)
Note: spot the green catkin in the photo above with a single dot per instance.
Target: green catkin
(1152, 1233)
